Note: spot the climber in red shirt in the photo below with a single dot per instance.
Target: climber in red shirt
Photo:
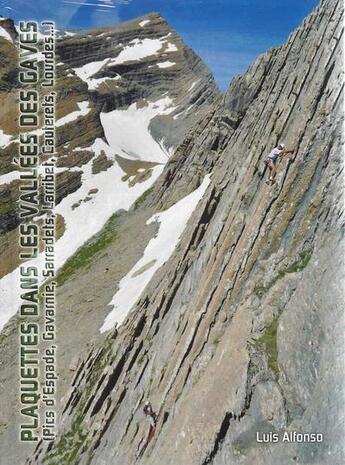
(152, 417)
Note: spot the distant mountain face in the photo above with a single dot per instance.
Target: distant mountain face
(142, 59)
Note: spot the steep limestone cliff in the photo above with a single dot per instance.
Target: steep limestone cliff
(241, 330)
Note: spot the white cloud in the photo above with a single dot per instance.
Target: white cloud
(89, 4)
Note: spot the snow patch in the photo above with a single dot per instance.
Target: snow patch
(5, 139)
(172, 224)
(143, 23)
(84, 109)
(137, 50)
(113, 194)
(14, 175)
(175, 117)
(165, 64)
(86, 72)
(65, 34)
(171, 48)
(193, 85)
(5, 35)
(9, 177)
(120, 125)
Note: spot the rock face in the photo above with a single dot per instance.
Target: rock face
(241, 330)
(9, 216)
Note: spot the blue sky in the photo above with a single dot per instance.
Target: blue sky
(227, 34)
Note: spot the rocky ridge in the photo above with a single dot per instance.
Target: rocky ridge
(242, 328)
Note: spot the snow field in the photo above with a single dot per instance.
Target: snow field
(165, 64)
(172, 223)
(86, 72)
(128, 133)
(83, 110)
(5, 35)
(5, 139)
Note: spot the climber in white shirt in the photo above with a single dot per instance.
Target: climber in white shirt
(272, 158)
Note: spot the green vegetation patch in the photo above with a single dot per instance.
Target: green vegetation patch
(295, 267)
(141, 360)
(299, 264)
(142, 198)
(84, 256)
(67, 449)
(8, 207)
(268, 343)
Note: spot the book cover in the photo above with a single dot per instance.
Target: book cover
(171, 232)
